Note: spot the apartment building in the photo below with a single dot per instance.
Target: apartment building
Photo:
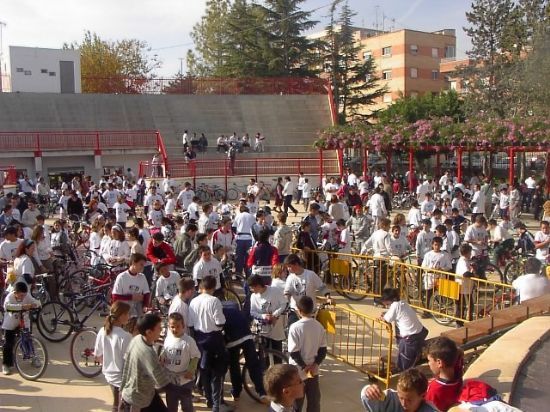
(408, 61)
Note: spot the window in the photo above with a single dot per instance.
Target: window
(435, 52)
(452, 85)
(19, 70)
(44, 71)
(414, 72)
(28, 73)
(52, 74)
(435, 74)
(387, 98)
(386, 75)
(386, 51)
(414, 49)
(450, 52)
(367, 55)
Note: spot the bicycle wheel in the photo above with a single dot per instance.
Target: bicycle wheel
(355, 281)
(30, 356)
(512, 271)
(82, 353)
(41, 294)
(270, 357)
(55, 321)
(76, 283)
(230, 295)
(444, 306)
(203, 195)
(219, 194)
(232, 194)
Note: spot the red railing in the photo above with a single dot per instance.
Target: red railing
(79, 140)
(205, 86)
(8, 175)
(244, 168)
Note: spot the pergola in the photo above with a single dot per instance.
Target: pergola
(442, 135)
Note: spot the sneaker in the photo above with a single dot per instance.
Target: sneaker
(6, 370)
(36, 362)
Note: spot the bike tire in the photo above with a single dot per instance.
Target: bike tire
(55, 322)
(29, 354)
(203, 196)
(219, 194)
(232, 296)
(512, 271)
(82, 353)
(232, 194)
(354, 281)
(76, 282)
(443, 305)
(271, 356)
(41, 294)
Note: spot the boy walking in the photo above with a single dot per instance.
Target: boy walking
(307, 346)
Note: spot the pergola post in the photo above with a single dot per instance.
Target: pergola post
(411, 168)
(459, 165)
(511, 154)
(365, 163)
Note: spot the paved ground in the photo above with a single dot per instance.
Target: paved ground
(62, 389)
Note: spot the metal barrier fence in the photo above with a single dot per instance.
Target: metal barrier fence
(359, 340)
(444, 295)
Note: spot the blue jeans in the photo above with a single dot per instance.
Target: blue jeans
(240, 254)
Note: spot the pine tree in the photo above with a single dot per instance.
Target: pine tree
(286, 48)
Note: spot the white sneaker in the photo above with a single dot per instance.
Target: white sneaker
(6, 370)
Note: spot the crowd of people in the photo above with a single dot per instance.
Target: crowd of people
(178, 250)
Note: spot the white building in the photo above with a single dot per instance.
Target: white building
(38, 70)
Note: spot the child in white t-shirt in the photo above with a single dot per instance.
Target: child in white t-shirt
(121, 211)
(181, 356)
(166, 287)
(464, 271)
(306, 193)
(111, 345)
(434, 259)
(170, 205)
(155, 215)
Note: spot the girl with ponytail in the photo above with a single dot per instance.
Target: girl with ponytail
(111, 345)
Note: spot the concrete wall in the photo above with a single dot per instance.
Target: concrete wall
(38, 70)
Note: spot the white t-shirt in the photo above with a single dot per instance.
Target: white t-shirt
(243, 223)
(288, 189)
(476, 234)
(531, 286)
(435, 260)
(170, 206)
(306, 190)
(271, 302)
(542, 253)
(179, 306)
(11, 319)
(113, 348)
(363, 188)
(306, 336)
(415, 217)
(463, 266)
(167, 288)
(479, 201)
(155, 216)
(110, 197)
(185, 198)
(504, 201)
(128, 284)
(177, 353)
(206, 313)
(306, 284)
(193, 210)
(399, 247)
(152, 198)
(405, 317)
(8, 249)
(120, 211)
(379, 241)
(203, 268)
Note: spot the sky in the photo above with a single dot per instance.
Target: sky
(166, 24)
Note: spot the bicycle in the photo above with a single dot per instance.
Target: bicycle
(56, 320)
(208, 193)
(267, 357)
(30, 355)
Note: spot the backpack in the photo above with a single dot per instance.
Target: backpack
(478, 392)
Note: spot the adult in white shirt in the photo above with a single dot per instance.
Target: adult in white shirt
(421, 191)
(533, 284)
(542, 242)
(185, 197)
(185, 139)
(478, 236)
(377, 207)
(288, 192)
(301, 182)
(377, 178)
(478, 200)
(243, 224)
(352, 179)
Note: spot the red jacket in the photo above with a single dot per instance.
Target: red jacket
(252, 258)
(162, 253)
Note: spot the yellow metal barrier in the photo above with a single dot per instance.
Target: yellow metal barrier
(359, 340)
(445, 295)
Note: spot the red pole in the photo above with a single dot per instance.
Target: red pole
(511, 170)
(365, 163)
(299, 167)
(321, 164)
(411, 167)
(459, 165)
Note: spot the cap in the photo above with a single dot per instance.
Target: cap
(358, 207)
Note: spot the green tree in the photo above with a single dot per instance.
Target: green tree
(355, 85)
(113, 67)
(210, 38)
(286, 48)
